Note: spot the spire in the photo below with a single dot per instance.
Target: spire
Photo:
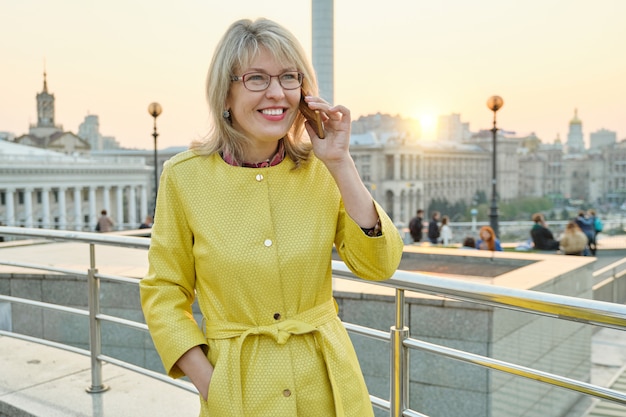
(575, 120)
(45, 82)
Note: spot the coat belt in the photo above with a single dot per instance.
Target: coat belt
(303, 323)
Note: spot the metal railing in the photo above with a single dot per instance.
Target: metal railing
(609, 283)
(597, 313)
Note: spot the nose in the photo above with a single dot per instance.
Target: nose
(275, 89)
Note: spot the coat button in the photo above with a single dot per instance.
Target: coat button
(259, 177)
(287, 393)
(268, 243)
(276, 316)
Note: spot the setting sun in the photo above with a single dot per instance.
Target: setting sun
(428, 126)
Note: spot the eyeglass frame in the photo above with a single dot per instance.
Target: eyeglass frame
(242, 78)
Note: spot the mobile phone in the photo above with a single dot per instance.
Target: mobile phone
(313, 116)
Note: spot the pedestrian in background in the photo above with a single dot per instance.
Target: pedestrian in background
(598, 226)
(416, 225)
(445, 231)
(487, 240)
(147, 223)
(586, 224)
(573, 241)
(105, 223)
(543, 239)
(433, 228)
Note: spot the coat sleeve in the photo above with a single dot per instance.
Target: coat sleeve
(167, 291)
(371, 258)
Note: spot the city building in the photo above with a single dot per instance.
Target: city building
(50, 179)
(46, 134)
(451, 128)
(89, 130)
(602, 138)
(48, 189)
(575, 138)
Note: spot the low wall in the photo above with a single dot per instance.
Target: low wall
(443, 387)
(439, 387)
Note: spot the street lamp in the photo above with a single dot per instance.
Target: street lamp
(494, 104)
(155, 110)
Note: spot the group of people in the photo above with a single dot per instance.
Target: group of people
(579, 238)
(439, 232)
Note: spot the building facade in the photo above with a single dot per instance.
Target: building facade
(47, 189)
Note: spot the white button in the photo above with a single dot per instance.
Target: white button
(268, 242)
(259, 177)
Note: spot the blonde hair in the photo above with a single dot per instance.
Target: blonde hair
(242, 42)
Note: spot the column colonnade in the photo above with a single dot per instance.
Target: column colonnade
(73, 207)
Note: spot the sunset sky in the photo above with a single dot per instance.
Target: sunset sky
(414, 58)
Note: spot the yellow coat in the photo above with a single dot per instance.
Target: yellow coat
(254, 245)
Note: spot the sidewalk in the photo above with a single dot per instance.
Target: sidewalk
(41, 381)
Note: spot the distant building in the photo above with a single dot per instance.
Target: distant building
(450, 128)
(48, 135)
(602, 138)
(47, 189)
(45, 126)
(575, 139)
(89, 130)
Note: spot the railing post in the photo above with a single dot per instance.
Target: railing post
(614, 286)
(95, 334)
(399, 361)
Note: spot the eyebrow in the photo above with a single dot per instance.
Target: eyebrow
(251, 69)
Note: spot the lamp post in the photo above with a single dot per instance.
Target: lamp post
(494, 104)
(155, 110)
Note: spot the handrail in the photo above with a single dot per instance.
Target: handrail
(608, 276)
(552, 305)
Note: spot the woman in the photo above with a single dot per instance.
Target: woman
(445, 232)
(246, 221)
(574, 240)
(487, 240)
(543, 239)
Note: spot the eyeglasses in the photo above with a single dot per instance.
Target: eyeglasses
(260, 81)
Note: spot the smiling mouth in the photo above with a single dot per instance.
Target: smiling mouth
(273, 112)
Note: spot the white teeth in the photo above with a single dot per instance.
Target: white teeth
(272, 112)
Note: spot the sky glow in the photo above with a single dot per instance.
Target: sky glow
(413, 58)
